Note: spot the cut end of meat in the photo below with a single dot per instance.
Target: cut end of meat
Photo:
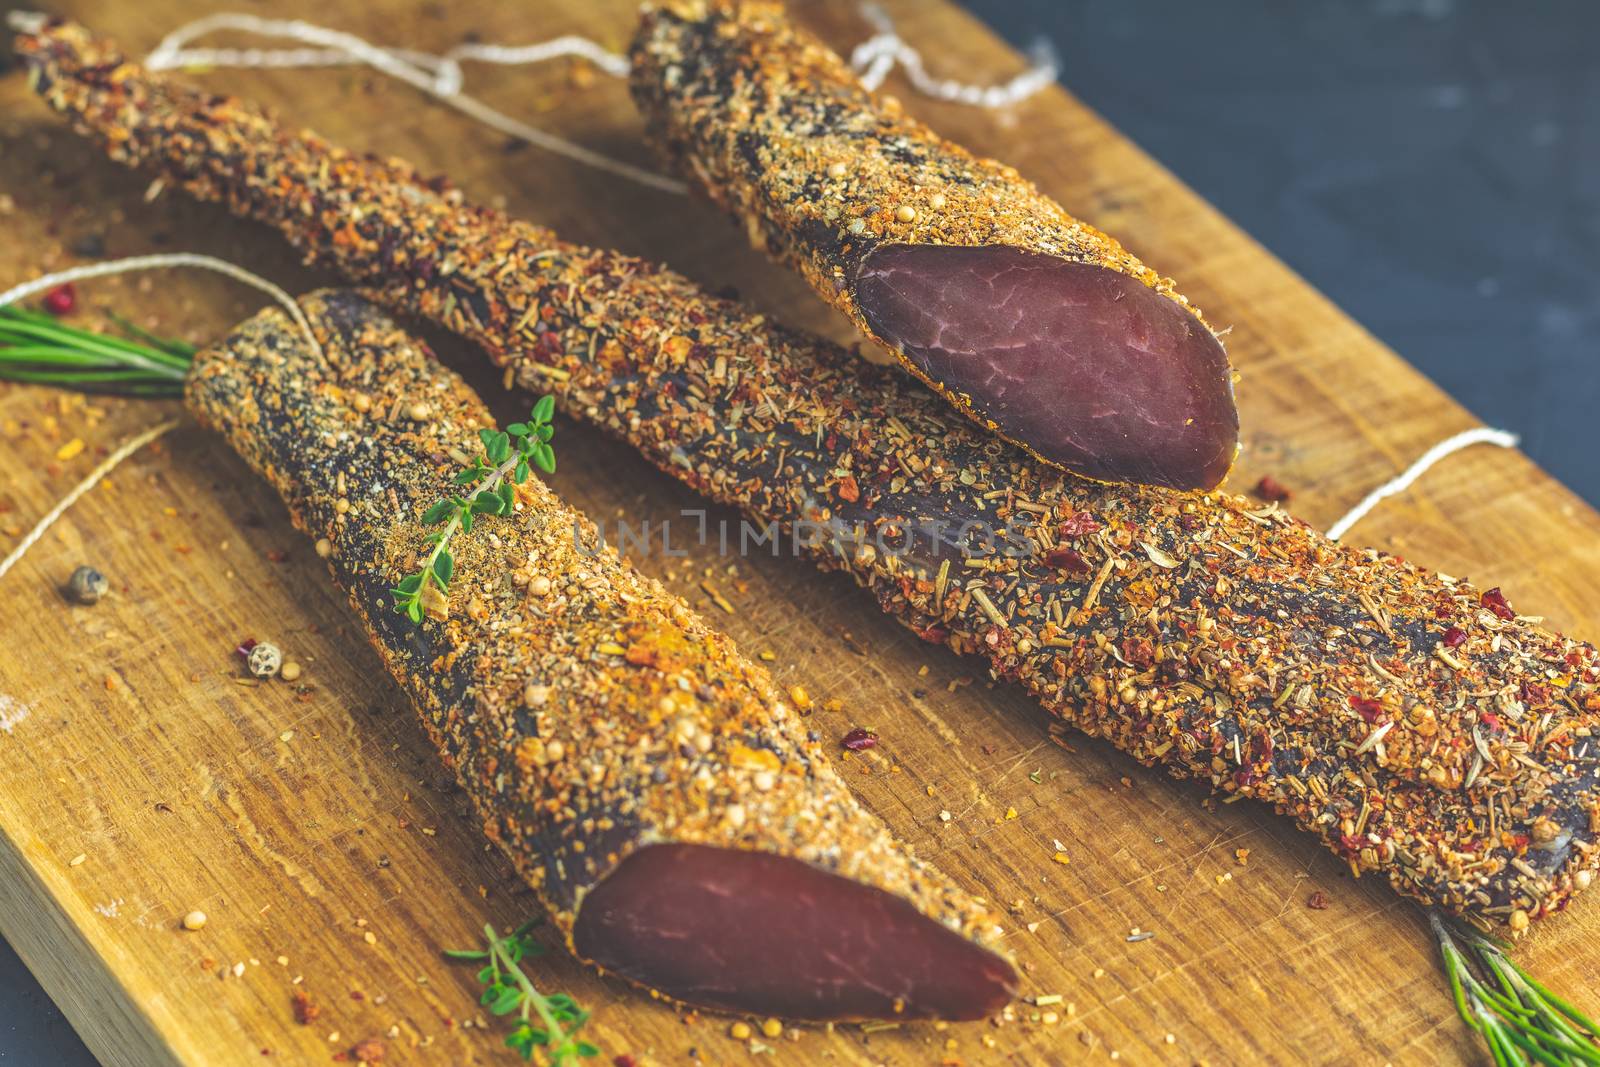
(756, 933)
(1091, 369)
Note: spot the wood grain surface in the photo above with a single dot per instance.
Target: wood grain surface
(303, 818)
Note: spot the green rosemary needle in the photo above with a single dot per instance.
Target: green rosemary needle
(509, 991)
(40, 349)
(1519, 1020)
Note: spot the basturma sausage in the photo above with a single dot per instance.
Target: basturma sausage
(674, 815)
(1417, 725)
(1042, 328)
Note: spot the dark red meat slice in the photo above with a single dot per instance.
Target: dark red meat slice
(1089, 368)
(769, 935)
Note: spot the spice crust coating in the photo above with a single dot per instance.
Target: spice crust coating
(1042, 328)
(588, 712)
(1393, 712)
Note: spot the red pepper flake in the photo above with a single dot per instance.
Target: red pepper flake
(1455, 637)
(1495, 601)
(244, 647)
(1067, 559)
(1270, 489)
(1489, 719)
(277, 555)
(849, 491)
(304, 1009)
(624, 1060)
(1078, 524)
(1370, 710)
(860, 738)
(1317, 901)
(934, 635)
(61, 300)
(370, 1050)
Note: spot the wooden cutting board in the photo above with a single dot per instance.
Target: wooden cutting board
(145, 776)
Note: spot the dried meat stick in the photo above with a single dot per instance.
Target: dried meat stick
(1412, 722)
(1040, 327)
(647, 780)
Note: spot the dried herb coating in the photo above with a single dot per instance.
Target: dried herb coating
(1040, 327)
(595, 721)
(1391, 711)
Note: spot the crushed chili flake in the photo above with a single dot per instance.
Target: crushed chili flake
(1317, 901)
(305, 1010)
(1495, 601)
(1079, 523)
(242, 650)
(1455, 637)
(1270, 489)
(624, 1060)
(849, 491)
(370, 1050)
(277, 555)
(1067, 559)
(61, 300)
(1370, 710)
(860, 738)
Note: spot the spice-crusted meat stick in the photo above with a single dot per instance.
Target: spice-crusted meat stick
(645, 778)
(1416, 725)
(1041, 327)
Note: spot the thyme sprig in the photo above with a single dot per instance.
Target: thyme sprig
(507, 458)
(38, 348)
(1520, 1020)
(509, 991)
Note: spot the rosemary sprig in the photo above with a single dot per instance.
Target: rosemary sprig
(504, 463)
(1520, 1020)
(508, 990)
(38, 348)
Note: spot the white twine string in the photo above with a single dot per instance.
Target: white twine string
(157, 262)
(874, 58)
(82, 487)
(1478, 435)
(441, 76)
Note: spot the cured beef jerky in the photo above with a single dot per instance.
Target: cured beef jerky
(649, 782)
(1042, 328)
(1418, 726)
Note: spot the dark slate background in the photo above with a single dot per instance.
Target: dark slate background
(1431, 165)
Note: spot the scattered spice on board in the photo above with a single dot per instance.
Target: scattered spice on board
(1317, 901)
